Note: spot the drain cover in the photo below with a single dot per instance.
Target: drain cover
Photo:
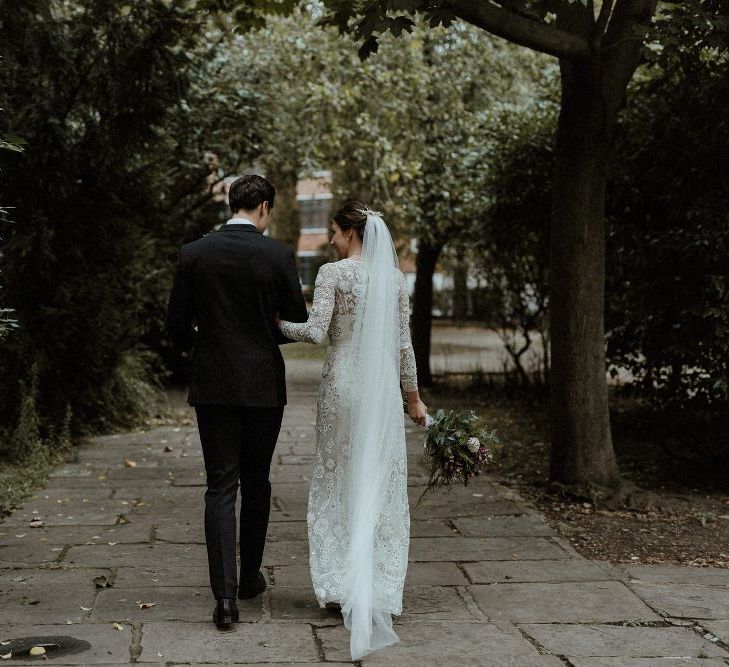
(55, 646)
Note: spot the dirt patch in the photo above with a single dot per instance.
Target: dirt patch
(686, 518)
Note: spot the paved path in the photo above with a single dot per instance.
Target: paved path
(489, 582)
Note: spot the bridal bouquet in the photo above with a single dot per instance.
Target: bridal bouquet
(456, 449)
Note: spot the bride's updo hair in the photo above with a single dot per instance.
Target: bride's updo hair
(352, 216)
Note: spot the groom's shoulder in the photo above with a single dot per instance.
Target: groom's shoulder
(277, 246)
(212, 240)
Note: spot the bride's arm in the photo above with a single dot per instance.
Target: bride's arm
(408, 369)
(315, 328)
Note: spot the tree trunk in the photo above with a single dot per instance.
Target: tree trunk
(582, 448)
(285, 224)
(593, 91)
(422, 318)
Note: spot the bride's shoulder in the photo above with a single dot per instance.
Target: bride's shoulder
(327, 272)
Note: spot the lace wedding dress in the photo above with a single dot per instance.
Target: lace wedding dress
(377, 563)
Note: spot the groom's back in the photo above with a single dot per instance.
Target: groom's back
(238, 280)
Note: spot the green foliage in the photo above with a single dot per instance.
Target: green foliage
(7, 324)
(101, 196)
(26, 442)
(251, 14)
(511, 254)
(20, 479)
(669, 230)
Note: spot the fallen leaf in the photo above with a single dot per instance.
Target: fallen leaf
(85, 608)
(102, 581)
(146, 605)
(159, 654)
(23, 535)
(118, 626)
(37, 650)
(69, 621)
(36, 523)
(112, 544)
(129, 463)
(167, 448)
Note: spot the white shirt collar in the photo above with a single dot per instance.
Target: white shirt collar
(240, 221)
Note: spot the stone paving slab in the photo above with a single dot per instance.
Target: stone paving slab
(646, 662)
(163, 492)
(616, 641)
(421, 603)
(494, 572)
(685, 600)
(719, 628)
(104, 513)
(28, 552)
(286, 552)
(181, 532)
(442, 573)
(674, 574)
(432, 528)
(288, 531)
(65, 494)
(138, 555)
(478, 554)
(583, 602)
(502, 526)
(248, 642)
(47, 596)
(163, 575)
(484, 548)
(170, 604)
(486, 502)
(283, 474)
(108, 645)
(38, 539)
(445, 643)
(418, 574)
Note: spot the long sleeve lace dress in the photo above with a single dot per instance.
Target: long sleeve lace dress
(337, 288)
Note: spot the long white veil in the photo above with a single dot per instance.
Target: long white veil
(375, 411)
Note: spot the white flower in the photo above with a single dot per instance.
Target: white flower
(473, 445)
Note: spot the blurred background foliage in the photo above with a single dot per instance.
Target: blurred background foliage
(449, 132)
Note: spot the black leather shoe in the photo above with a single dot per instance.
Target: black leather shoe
(225, 614)
(251, 586)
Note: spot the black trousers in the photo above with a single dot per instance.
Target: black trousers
(237, 445)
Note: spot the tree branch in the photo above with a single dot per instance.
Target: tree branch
(520, 29)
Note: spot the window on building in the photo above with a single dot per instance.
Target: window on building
(314, 212)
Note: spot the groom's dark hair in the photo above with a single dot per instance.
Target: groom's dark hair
(248, 192)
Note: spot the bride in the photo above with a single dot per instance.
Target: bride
(358, 518)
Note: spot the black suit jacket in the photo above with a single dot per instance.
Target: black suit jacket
(231, 283)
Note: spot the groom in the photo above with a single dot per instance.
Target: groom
(232, 283)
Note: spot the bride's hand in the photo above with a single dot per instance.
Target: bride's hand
(416, 408)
